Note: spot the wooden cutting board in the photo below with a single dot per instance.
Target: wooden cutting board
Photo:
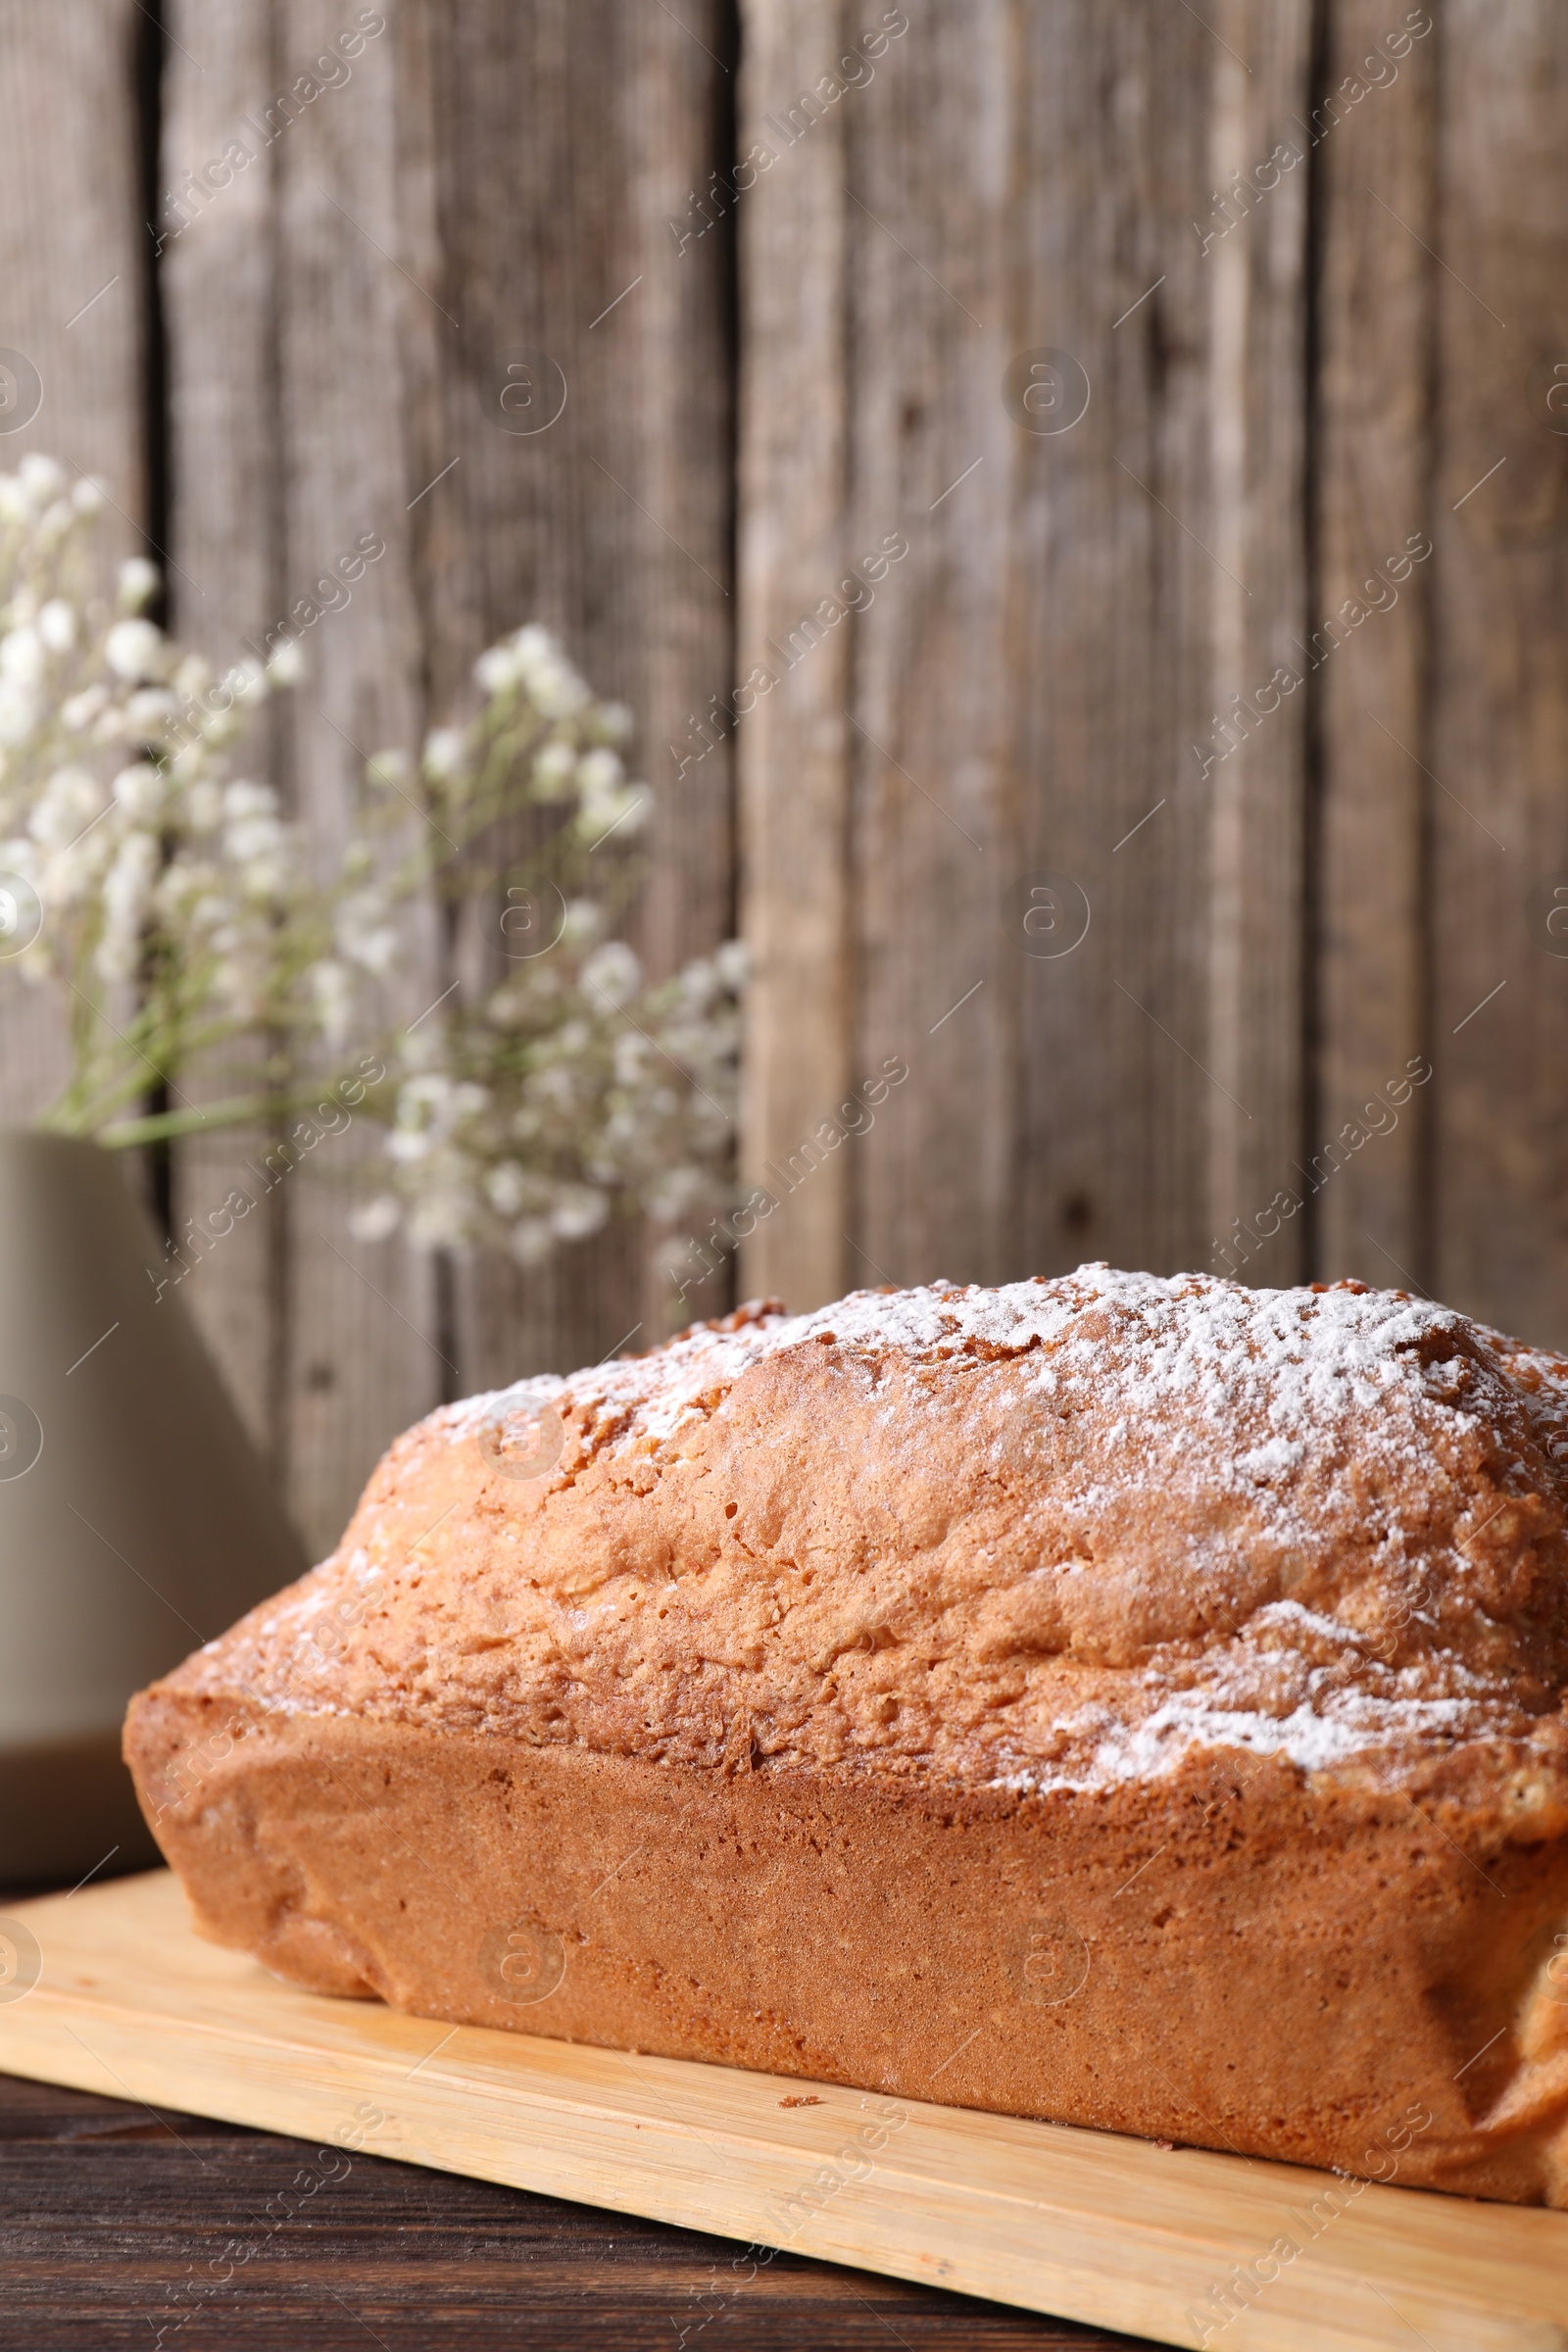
(109, 1990)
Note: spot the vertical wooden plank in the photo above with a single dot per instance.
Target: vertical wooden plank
(217, 256)
(929, 285)
(1499, 702)
(1371, 126)
(286, 392)
(1257, 493)
(1039, 667)
(794, 739)
(1037, 689)
(365, 1354)
(612, 523)
(339, 312)
(72, 264)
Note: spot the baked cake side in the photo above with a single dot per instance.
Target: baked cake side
(1155, 1686)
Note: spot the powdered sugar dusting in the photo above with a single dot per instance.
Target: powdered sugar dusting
(1291, 1356)
(1057, 1535)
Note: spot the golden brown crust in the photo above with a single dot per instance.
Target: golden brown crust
(1006, 1574)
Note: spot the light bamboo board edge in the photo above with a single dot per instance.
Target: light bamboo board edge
(125, 2000)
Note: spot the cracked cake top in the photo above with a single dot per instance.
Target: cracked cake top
(1053, 1535)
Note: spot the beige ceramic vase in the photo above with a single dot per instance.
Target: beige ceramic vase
(135, 1521)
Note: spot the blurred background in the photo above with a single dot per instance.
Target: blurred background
(1072, 492)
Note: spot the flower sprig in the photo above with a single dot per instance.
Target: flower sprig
(569, 1090)
(181, 919)
(173, 908)
(571, 1087)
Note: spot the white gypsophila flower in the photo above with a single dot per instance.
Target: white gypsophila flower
(621, 812)
(631, 1056)
(522, 1122)
(126, 887)
(216, 724)
(584, 921)
(533, 648)
(244, 798)
(553, 684)
(612, 971)
(555, 772)
(333, 988)
(247, 680)
(599, 776)
(443, 752)
(19, 713)
(531, 1240)
(731, 964)
(149, 712)
(138, 790)
(579, 1209)
(285, 664)
(78, 711)
(70, 799)
(697, 984)
(209, 928)
(260, 848)
(496, 670)
(365, 935)
(55, 522)
(508, 1188)
(42, 478)
(373, 1220)
(57, 624)
(74, 874)
(21, 656)
(138, 583)
(134, 648)
(391, 768)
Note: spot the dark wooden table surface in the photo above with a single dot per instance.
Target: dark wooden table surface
(122, 2228)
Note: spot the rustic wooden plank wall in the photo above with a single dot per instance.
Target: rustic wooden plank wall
(829, 288)
(1375, 162)
(1498, 725)
(1260, 597)
(73, 283)
(472, 182)
(1081, 594)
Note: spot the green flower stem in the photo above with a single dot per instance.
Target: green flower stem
(238, 1110)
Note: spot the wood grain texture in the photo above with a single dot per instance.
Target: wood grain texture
(1257, 487)
(284, 330)
(73, 269)
(113, 2214)
(1038, 675)
(218, 281)
(1106, 2231)
(794, 739)
(340, 314)
(1499, 707)
(1371, 144)
(612, 523)
(1039, 665)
